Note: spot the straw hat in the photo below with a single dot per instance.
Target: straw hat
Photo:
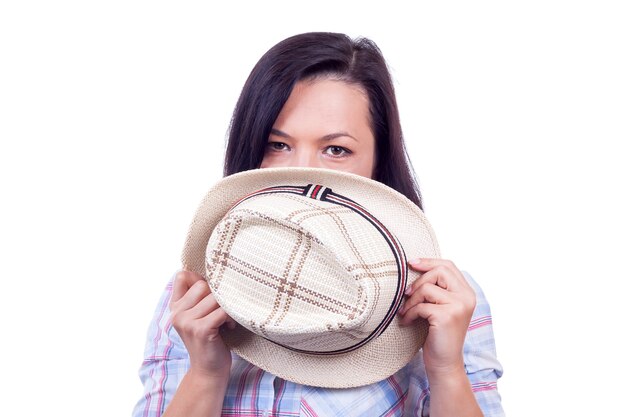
(312, 264)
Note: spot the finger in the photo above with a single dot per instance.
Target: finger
(201, 328)
(215, 320)
(444, 315)
(422, 310)
(446, 276)
(426, 264)
(203, 307)
(193, 296)
(183, 281)
(435, 277)
(427, 293)
(440, 276)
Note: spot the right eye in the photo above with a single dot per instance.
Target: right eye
(278, 146)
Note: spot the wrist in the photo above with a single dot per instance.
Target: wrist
(199, 394)
(202, 380)
(447, 375)
(451, 392)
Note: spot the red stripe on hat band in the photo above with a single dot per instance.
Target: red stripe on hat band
(315, 191)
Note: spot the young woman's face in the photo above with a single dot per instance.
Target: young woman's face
(324, 124)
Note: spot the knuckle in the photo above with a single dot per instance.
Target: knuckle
(181, 327)
(199, 290)
(472, 298)
(202, 285)
(440, 269)
(465, 312)
(471, 306)
(446, 262)
(450, 264)
(183, 275)
(469, 300)
(176, 319)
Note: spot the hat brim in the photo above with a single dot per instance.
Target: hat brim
(376, 360)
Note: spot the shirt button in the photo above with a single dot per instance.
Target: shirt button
(265, 413)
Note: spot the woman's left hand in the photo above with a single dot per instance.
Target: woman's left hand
(444, 298)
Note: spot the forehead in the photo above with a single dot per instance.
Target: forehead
(325, 102)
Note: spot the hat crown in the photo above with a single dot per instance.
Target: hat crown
(306, 268)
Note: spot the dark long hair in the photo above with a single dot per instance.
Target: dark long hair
(313, 55)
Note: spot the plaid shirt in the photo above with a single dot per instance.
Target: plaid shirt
(253, 392)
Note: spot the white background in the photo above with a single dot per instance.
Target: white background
(112, 124)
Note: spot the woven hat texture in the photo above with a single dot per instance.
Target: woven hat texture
(312, 264)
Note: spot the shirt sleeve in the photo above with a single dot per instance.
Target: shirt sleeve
(165, 361)
(479, 351)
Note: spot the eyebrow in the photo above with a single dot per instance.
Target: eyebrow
(328, 137)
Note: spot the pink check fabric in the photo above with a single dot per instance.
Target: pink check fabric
(253, 392)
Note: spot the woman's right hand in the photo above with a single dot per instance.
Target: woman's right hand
(197, 318)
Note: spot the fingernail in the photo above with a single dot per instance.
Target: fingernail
(409, 290)
(415, 261)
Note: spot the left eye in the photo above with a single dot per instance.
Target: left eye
(336, 151)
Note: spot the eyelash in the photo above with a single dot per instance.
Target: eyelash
(345, 151)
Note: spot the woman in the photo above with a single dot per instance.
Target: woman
(323, 100)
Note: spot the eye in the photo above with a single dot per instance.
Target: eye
(277, 146)
(337, 151)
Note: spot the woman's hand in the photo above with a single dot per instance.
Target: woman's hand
(197, 318)
(444, 298)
